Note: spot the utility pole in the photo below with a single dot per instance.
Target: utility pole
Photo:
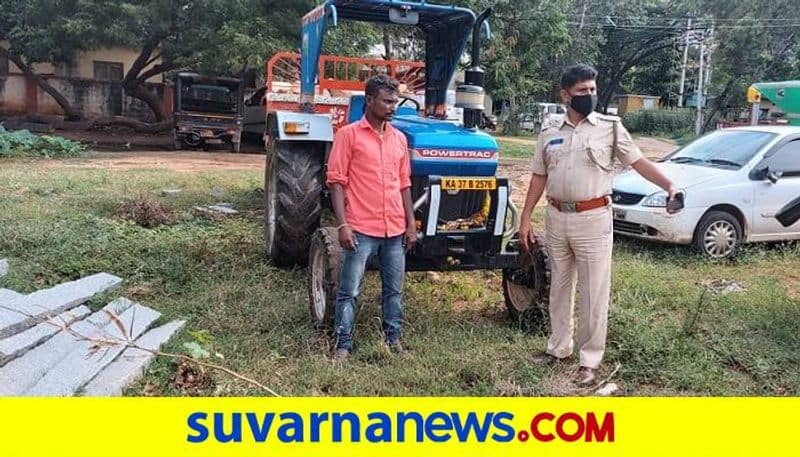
(685, 58)
(698, 126)
(710, 50)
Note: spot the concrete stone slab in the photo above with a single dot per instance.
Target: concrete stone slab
(3, 267)
(45, 303)
(120, 373)
(80, 365)
(16, 345)
(21, 373)
(221, 208)
(7, 296)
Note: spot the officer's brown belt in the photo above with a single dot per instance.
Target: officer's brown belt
(579, 207)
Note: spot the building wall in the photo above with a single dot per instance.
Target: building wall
(632, 103)
(83, 66)
(75, 81)
(12, 94)
(20, 95)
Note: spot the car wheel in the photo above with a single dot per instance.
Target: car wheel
(718, 234)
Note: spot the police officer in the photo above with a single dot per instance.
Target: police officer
(574, 163)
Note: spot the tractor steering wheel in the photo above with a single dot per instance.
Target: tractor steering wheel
(405, 99)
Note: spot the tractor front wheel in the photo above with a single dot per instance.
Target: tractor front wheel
(526, 289)
(324, 268)
(292, 189)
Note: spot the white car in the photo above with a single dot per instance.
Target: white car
(545, 116)
(734, 182)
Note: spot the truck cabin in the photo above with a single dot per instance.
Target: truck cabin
(203, 94)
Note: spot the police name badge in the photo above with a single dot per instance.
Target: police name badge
(554, 144)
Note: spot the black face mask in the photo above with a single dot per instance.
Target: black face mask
(584, 104)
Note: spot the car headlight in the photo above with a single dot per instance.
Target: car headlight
(656, 200)
(659, 199)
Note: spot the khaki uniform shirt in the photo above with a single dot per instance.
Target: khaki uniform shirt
(579, 160)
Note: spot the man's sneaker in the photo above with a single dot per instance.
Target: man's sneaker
(341, 355)
(396, 347)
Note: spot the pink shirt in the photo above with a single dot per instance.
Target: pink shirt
(373, 171)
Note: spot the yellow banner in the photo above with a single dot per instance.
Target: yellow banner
(402, 427)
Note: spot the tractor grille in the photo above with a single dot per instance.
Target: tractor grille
(625, 198)
(461, 205)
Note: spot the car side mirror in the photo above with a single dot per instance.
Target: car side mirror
(773, 176)
(765, 173)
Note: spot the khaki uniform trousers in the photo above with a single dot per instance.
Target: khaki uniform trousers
(579, 245)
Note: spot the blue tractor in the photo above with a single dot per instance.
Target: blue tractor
(464, 214)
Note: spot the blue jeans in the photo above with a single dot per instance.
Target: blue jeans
(392, 256)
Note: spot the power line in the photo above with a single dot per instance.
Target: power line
(684, 18)
(679, 27)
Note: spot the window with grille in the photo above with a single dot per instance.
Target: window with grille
(108, 71)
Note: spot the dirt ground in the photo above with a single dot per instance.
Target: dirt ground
(181, 161)
(516, 169)
(651, 147)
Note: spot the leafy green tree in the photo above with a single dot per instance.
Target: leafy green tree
(41, 31)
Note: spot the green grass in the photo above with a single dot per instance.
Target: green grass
(515, 149)
(57, 226)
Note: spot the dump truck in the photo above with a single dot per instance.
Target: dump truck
(207, 111)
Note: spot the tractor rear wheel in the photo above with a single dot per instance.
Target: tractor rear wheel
(292, 189)
(527, 289)
(324, 268)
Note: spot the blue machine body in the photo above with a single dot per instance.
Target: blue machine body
(439, 147)
(444, 148)
(445, 155)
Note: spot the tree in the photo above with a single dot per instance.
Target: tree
(755, 41)
(529, 36)
(214, 36)
(40, 31)
(639, 38)
(221, 37)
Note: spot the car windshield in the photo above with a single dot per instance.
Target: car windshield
(722, 148)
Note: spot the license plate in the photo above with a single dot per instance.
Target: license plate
(206, 133)
(469, 183)
(620, 214)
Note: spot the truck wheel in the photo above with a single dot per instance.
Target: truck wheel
(324, 268)
(527, 289)
(293, 187)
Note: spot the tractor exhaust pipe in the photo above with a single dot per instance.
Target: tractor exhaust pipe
(470, 95)
(475, 56)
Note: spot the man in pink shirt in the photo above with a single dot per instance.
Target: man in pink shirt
(369, 176)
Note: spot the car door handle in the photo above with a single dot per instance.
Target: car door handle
(770, 214)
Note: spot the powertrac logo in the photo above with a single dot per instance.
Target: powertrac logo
(401, 427)
(454, 153)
